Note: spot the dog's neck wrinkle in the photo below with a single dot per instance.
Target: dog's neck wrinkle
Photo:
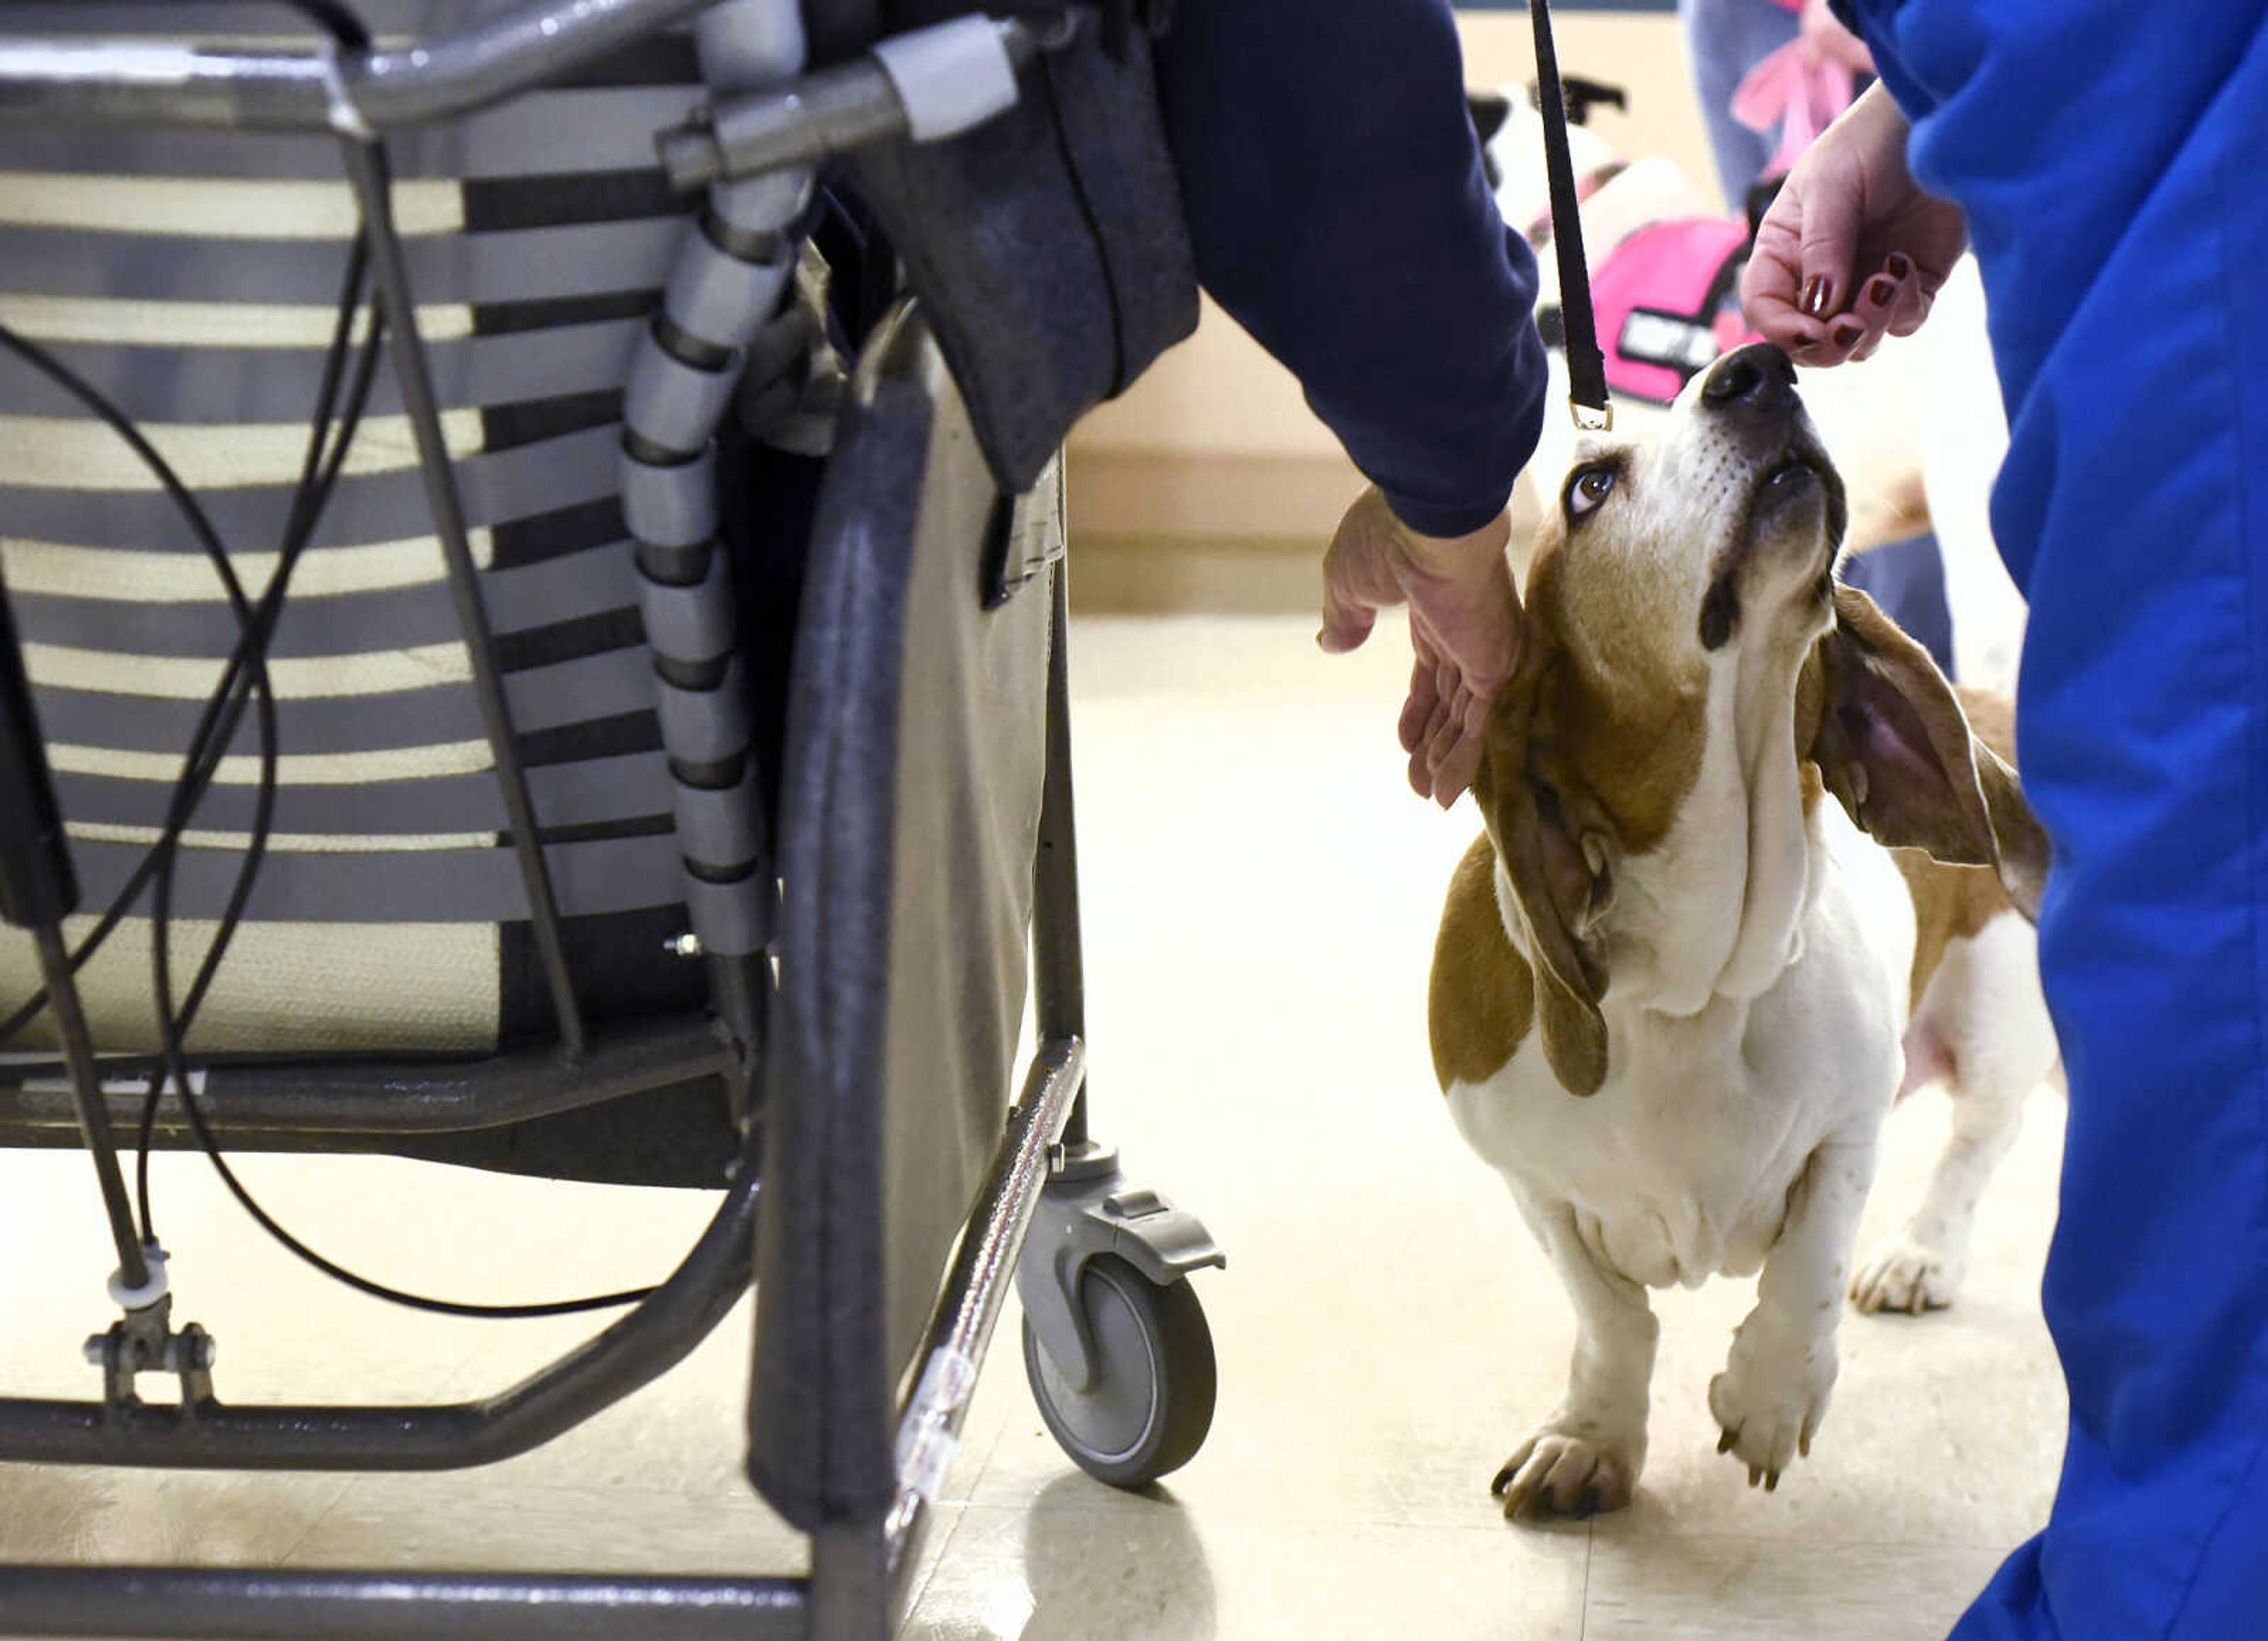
(1676, 917)
(1779, 848)
(1698, 919)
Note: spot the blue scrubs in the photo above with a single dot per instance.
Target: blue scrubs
(2111, 156)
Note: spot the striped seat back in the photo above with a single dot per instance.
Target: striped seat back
(192, 278)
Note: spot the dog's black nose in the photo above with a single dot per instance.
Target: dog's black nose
(1758, 374)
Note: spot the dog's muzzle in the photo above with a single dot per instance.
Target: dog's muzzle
(1752, 384)
(1750, 394)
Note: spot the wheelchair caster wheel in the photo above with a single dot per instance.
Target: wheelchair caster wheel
(1151, 1403)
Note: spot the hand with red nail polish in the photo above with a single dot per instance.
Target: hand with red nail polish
(1852, 250)
(1465, 625)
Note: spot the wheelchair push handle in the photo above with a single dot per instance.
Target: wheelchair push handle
(927, 85)
(53, 83)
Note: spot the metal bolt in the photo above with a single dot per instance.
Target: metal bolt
(683, 945)
(97, 1348)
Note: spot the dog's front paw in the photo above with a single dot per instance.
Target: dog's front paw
(1904, 1274)
(1769, 1402)
(1559, 1473)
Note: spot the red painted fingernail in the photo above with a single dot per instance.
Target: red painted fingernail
(1847, 335)
(1881, 289)
(1899, 265)
(1815, 296)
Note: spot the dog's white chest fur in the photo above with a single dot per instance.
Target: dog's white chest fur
(1680, 1166)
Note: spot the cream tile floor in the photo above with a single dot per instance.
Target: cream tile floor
(1260, 895)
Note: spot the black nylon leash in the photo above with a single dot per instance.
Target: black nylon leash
(1586, 366)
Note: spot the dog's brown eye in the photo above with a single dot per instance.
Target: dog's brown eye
(1587, 489)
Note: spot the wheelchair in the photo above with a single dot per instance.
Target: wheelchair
(620, 734)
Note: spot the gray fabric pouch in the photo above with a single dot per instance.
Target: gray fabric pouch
(1048, 247)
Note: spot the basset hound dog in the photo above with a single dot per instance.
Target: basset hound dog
(1750, 867)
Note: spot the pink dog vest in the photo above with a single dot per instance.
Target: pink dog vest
(1669, 303)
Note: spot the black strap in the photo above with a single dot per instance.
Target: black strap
(1122, 18)
(1586, 366)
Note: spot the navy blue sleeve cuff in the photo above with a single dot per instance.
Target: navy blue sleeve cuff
(1431, 518)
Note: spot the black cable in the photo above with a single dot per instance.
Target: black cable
(244, 678)
(198, 771)
(176, 1030)
(349, 32)
(210, 541)
(318, 473)
(224, 708)
(313, 495)
(379, 1290)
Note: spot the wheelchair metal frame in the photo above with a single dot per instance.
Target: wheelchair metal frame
(858, 1574)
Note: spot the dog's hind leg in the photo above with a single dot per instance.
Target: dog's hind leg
(1586, 1458)
(1985, 1009)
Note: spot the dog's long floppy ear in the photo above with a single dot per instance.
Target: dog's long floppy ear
(1560, 853)
(1895, 747)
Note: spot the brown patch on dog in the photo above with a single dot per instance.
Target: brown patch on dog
(1481, 1002)
(1629, 738)
(1585, 763)
(1896, 509)
(1950, 903)
(1955, 902)
(1993, 718)
(1810, 712)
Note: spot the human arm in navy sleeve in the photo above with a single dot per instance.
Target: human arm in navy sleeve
(1339, 212)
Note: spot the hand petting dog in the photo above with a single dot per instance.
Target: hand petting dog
(1465, 625)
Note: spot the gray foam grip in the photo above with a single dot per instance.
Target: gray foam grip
(721, 300)
(760, 204)
(716, 297)
(690, 624)
(706, 726)
(717, 826)
(671, 506)
(750, 42)
(732, 919)
(673, 404)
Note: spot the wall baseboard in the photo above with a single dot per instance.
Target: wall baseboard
(1123, 575)
(1208, 495)
(1164, 531)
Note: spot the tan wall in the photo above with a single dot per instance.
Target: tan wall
(1215, 442)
